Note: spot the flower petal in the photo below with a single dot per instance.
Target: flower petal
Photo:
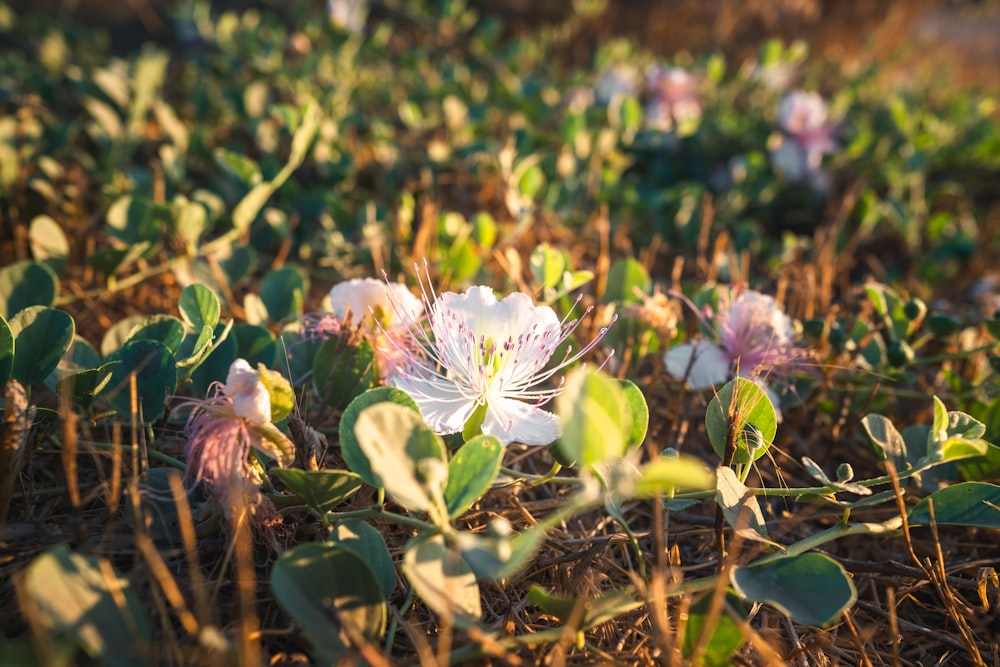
(515, 421)
(710, 366)
(442, 404)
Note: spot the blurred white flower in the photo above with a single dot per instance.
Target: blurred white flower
(348, 14)
(755, 340)
(617, 81)
(673, 104)
(807, 137)
(487, 359)
(381, 309)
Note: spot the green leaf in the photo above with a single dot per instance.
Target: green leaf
(118, 333)
(6, 352)
(41, 337)
(724, 639)
(165, 328)
(83, 597)
(280, 391)
(367, 543)
(342, 372)
(199, 307)
(974, 504)
(83, 387)
(667, 474)
(750, 407)
(887, 440)
(283, 291)
(155, 377)
(625, 277)
(248, 207)
(349, 446)
(547, 265)
(405, 456)
(240, 167)
(471, 471)
(442, 580)
(812, 588)
(255, 344)
(639, 411)
(322, 585)
(48, 243)
(595, 418)
(26, 284)
(134, 220)
(740, 507)
(215, 366)
(322, 490)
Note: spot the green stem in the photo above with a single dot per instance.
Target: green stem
(536, 480)
(377, 513)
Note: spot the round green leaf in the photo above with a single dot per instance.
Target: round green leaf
(82, 596)
(255, 344)
(135, 220)
(342, 372)
(312, 581)
(812, 588)
(595, 418)
(165, 328)
(41, 337)
(118, 333)
(280, 391)
(367, 543)
(199, 306)
(753, 416)
(321, 490)
(639, 411)
(283, 291)
(406, 458)
(672, 473)
(350, 449)
(48, 242)
(26, 284)
(471, 471)
(724, 639)
(443, 580)
(6, 352)
(625, 277)
(155, 374)
(215, 367)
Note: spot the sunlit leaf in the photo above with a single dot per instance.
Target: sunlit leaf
(442, 580)
(41, 337)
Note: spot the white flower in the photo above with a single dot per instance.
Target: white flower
(487, 358)
(251, 400)
(362, 296)
(673, 99)
(348, 14)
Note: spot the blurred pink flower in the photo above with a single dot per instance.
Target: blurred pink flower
(755, 340)
(808, 136)
(673, 104)
(487, 358)
(222, 429)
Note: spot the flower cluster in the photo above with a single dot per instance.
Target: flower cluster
(755, 340)
(807, 136)
(485, 363)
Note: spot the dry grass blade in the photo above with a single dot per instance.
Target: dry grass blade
(15, 438)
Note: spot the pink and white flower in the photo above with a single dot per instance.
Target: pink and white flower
(673, 104)
(487, 358)
(755, 340)
(378, 308)
(808, 136)
(222, 429)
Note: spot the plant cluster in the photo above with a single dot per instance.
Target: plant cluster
(532, 443)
